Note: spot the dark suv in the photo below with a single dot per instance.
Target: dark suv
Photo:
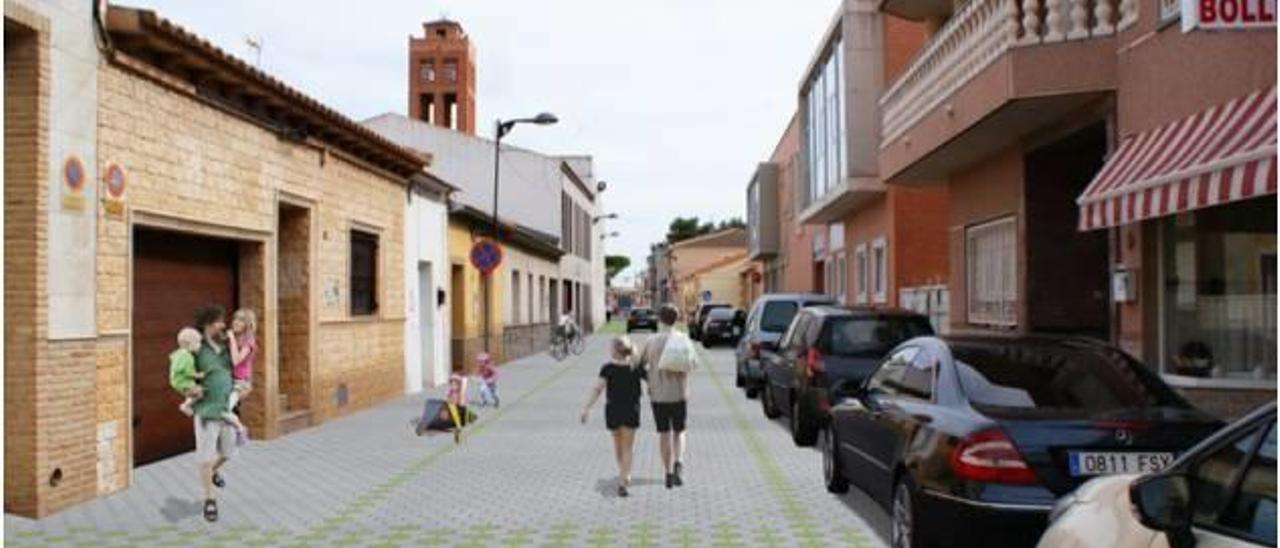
(824, 345)
(769, 318)
(642, 318)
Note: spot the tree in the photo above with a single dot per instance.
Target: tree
(613, 264)
(684, 228)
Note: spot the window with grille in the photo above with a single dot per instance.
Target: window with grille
(861, 271)
(880, 271)
(364, 273)
(991, 285)
(428, 69)
(450, 70)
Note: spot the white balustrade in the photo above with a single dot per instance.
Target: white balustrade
(979, 33)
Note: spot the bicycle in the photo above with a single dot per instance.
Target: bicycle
(562, 345)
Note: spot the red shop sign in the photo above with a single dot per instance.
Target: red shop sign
(1228, 14)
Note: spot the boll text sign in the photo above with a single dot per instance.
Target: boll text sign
(1228, 14)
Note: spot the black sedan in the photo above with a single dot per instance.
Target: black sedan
(642, 318)
(825, 345)
(723, 325)
(969, 440)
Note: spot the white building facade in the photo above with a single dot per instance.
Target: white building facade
(426, 269)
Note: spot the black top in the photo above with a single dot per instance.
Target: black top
(622, 384)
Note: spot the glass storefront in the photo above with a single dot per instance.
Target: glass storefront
(1219, 292)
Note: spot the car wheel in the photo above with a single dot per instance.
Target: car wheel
(738, 380)
(767, 404)
(804, 431)
(902, 531)
(752, 391)
(832, 476)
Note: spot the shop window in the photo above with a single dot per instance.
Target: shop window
(991, 284)
(364, 273)
(1219, 302)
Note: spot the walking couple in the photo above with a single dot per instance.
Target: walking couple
(212, 368)
(671, 357)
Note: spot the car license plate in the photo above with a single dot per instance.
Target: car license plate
(1100, 464)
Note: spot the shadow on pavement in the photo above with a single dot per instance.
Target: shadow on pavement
(175, 510)
(608, 487)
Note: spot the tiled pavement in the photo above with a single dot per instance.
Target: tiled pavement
(527, 474)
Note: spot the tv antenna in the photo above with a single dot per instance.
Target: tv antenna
(255, 44)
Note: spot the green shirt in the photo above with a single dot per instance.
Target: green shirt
(182, 370)
(216, 366)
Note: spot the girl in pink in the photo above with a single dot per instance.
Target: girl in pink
(244, 347)
(488, 380)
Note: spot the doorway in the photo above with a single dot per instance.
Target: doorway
(427, 324)
(458, 315)
(293, 301)
(173, 275)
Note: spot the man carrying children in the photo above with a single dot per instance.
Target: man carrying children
(215, 437)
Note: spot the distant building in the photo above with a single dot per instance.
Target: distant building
(442, 77)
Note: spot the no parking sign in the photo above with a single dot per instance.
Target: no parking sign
(486, 255)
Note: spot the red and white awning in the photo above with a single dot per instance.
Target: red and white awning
(1220, 155)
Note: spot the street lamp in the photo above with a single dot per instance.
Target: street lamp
(597, 218)
(613, 234)
(501, 128)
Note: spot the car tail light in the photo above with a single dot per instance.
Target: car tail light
(813, 361)
(990, 456)
(755, 349)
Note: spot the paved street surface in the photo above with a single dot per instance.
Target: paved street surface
(527, 474)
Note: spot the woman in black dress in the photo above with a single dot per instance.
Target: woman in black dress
(620, 381)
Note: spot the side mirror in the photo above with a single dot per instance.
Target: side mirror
(1162, 502)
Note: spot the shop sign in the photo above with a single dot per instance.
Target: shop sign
(73, 176)
(114, 182)
(1228, 14)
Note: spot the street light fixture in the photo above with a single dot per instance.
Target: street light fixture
(613, 234)
(501, 129)
(597, 218)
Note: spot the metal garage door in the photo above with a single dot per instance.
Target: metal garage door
(173, 275)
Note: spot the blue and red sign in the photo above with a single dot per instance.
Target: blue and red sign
(486, 255)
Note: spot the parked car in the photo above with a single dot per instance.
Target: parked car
(769, 317)
(971, 440)
(642, 318)
(722, 325)
(699, 315)
(1222, 492)
(824, 345)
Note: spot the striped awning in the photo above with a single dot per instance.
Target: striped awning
(1220, 155)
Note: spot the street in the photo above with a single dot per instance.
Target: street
(527, 474)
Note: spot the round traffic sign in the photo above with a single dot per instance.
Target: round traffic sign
(486, 255)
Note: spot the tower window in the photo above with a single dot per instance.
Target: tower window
(442, 33)
(428, 70)
(451, 70)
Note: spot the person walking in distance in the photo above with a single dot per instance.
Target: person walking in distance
(668, 357)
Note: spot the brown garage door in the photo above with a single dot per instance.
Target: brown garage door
(173, 275)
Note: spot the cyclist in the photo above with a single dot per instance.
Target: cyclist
(568, 327)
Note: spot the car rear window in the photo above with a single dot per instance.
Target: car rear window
(1056, 381)
(720, 314)
(641, 313)
(777, 316)
(871, 336)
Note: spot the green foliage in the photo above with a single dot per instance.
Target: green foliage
(613, 264)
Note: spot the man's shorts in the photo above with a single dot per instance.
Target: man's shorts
(214, 437)
(670, 415)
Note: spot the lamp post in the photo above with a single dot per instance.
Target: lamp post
(501, 128)
(598, 218)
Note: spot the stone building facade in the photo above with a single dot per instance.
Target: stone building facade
(197, 190)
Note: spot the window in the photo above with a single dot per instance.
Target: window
(862, 270)
(1252, 513)
(887, 378)
(880, 271)
(531, 310)
(428, 70)
(991, 286)
(825, 132)
(794, 333)
(1219, 302)
(1214, 477)
(514, 298)
(841, 276)
(364, 273)
(871, 336)
(777, 316)
(450, 70)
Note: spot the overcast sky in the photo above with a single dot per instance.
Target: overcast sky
(677, 100)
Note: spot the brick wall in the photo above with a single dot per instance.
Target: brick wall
(26, 149)
(918, 245)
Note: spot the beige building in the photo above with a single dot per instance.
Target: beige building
(689, 258)
(158, 187)
(718, 282)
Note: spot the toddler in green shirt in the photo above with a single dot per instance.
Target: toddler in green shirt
(183, 376)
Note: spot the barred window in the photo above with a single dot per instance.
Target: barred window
(992, 283)
(364, 273)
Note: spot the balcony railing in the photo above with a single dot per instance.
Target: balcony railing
(977, 35)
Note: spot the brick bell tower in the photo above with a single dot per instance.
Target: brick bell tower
(442, 77)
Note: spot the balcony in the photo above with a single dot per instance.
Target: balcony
(762, 213)
(837, 202)
(995, 72)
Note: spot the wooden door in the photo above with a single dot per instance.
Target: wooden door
(173, 275)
